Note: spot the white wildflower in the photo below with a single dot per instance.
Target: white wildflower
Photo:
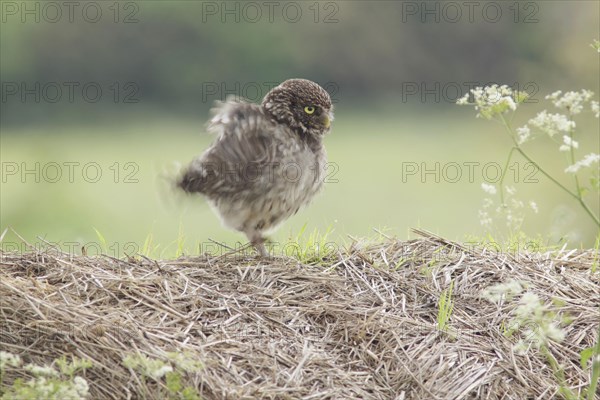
(493, 100)
(552, 331)
(503, 290)
(523, 134)
(39, 370)
(529, 304)
(536, 323)
(81, 386)
(516, 204)
(485, 219)
(185, 361)
(571, 101)
(43, 388)
(511, 190)
(9, 359)
(158, 373)
(490, 189)
(596, 108)
(552, 123)
(533, 206)
(75, 390)
(521, 348)
(464, 100)
(568, 143)
(587, 161)
(513, 220)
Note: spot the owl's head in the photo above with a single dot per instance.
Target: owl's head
(302, 105)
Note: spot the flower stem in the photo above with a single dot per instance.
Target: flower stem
(595, 368)
(559, 374)
(576, 196)
(504, 175)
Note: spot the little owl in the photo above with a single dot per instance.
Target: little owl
(267, 161)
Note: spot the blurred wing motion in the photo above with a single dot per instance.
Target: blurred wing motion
(246, 140)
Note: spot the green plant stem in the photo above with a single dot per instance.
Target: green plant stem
(595, 368)
(559, 374)
(504, 175)
(576, 196)
(572, 154)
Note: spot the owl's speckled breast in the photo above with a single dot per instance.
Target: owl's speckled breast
(291, 183)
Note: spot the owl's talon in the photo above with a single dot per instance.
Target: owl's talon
(261, 249)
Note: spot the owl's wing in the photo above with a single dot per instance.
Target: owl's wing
(246, 142)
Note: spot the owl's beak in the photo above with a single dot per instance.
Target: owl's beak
(326, 120)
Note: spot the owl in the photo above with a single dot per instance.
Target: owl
(267, 161)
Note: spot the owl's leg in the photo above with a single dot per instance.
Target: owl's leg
(258, 241)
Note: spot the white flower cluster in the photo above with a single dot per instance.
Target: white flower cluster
(53, 389)
(541, 327)
(571, 101)
(595, 108)
(512, 212)
(533, 206)
(158, 373)
(587, 161)
(489, 189)
(503, 291)
(532, 317)
(46, 383)
(185, 361)
(39, 370)
(492, 100)
(152, 368)
(552, 123)
(10, 359)
(568, 144)
(523, 134)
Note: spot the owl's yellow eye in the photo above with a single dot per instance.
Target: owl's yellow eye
(309, 110)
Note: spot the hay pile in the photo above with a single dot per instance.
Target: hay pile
(361, 326)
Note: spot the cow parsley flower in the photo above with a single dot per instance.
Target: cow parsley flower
(485, 219)
(529, 304)
(10, 359)
(489, 189)
(533, 206)
(503, 291)
(523, 134)
(539, 322)
(157, 373)
(464, 101)
(596, 108)
(568, 144)
(81, 386)
(571, 101)
(493, 100)
(39, 370)
(552, 123)
(587, 161)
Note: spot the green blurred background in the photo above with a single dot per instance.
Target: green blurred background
(394, 70)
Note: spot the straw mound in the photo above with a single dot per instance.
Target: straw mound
(362, 326)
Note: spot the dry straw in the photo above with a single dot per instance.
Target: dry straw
(361, 324)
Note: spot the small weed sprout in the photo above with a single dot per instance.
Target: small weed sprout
(445, 308)
(311, 248)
